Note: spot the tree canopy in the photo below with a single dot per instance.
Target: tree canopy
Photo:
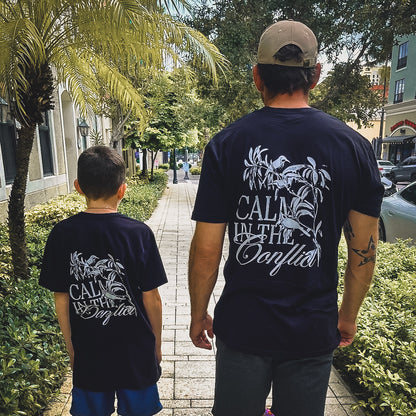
(350, 34)
(174, 115)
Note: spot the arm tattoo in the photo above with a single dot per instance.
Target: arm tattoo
(348, 230)
(367, 255)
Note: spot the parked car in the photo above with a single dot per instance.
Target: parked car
(389, 187)
(384, 166)
(405, 171)
(398, 215)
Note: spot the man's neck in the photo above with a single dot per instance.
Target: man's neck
(297, 100)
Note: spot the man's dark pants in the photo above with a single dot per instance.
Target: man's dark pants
(243, 382)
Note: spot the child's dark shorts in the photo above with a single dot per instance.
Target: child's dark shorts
(129, 402)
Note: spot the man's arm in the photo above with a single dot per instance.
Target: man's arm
(62, 312)
(204, 260)
(153, 305)
(361, 233)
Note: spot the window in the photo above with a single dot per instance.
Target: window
(409, 194)
(46, 146)
(403, 50)
(410, 161)
(8, 151)
(398, 91)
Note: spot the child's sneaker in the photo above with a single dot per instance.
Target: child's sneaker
(267, 412)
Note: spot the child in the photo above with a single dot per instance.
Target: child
(105, 269)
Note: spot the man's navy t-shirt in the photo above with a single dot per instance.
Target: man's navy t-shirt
(105, 262)
(284, 180)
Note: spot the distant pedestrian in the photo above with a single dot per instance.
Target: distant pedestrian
(105, 269)
(285, 180)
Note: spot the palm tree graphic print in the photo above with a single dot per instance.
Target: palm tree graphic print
(98, 291)
(297, 193)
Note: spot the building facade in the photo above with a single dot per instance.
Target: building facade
(373, 74)
(57, 145)
(400, 134)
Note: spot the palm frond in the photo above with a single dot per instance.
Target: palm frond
(21, 50)
(119, 86)
(194, 47)
(115, 38)
(74, 72)
(86, 74)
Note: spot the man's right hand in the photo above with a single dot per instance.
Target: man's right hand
(199, 330)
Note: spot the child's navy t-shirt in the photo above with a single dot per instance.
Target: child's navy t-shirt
(284, 180)
(104, 262)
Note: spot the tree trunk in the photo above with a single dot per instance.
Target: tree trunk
(151, 167)
(16, 207)
(144, 167)
(153, 157)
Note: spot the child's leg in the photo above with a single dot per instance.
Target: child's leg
(138, 402)
(91, 403)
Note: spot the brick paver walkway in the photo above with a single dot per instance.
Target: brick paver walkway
(187, 383)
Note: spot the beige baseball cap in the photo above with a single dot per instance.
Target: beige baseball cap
(287, 32)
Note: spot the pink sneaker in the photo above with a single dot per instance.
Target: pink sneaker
(267, 412)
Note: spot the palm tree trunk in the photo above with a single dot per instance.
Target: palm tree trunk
(16, 214)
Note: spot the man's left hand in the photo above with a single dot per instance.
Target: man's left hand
(347, 331)
(199, 330)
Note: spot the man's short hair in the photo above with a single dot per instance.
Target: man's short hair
(101, 171)
(280, 79)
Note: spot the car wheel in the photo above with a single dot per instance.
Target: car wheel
(393, 178)
(381, 230)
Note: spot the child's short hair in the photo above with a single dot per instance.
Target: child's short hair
(101, 171)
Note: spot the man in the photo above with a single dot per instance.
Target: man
(285, 179)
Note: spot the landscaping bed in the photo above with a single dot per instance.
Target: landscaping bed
(380, 365)
(33, 358)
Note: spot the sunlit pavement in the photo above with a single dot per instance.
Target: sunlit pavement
(187, 383)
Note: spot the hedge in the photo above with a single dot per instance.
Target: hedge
(164, 166)
(381, 363)
(33, 358)
(195, 170)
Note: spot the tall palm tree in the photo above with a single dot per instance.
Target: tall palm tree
(88, 45)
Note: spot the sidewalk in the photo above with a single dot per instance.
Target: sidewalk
(187, 383)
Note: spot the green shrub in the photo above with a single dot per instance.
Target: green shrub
(33, 358)
(49, 214)
(164, 166)
(195, 170)
(5, 259)
(32, 351)
(36, 236)
(140, 201)
(381, 362)
(41, 219)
